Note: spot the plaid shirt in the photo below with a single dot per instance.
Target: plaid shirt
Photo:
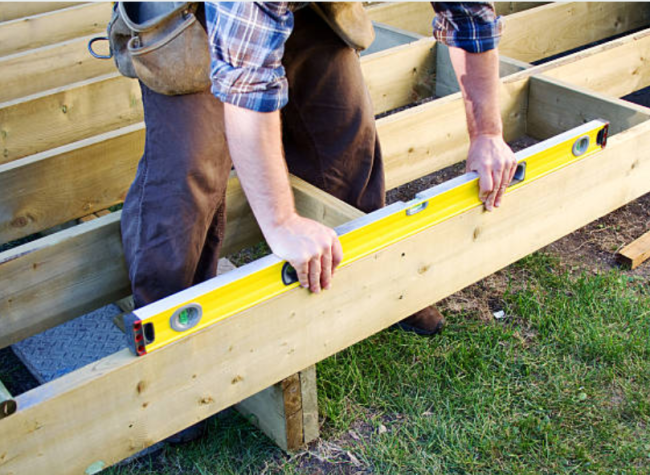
(472, 26)
(247, 44)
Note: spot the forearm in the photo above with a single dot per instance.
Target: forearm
(478, 76)
(255, 144)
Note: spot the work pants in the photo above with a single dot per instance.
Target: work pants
(174, 214)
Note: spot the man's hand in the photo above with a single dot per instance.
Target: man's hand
(311, 248)
(489, 155)
(255, 144)
(495, 163)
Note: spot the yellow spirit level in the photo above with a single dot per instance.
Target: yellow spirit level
(174, 317)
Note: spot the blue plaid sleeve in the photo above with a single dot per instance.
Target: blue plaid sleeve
(472, 26)
(247, 44)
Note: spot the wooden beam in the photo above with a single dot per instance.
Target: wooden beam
(13, 10)
(616, 68)
(432, 136)
(555, 107)
(49, 67)
(635, 253)
(545, 31)
(77, 111)
(417, 17)
(64, 115)
(62, 184)
(207, 371)
(54, 279)
(53, 27)
(410, 16)
(415, 142)
(508, 8)
(399, 76)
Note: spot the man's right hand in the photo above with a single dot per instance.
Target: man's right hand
(314, 250)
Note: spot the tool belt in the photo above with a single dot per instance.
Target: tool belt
(165, 46)
(161, 43)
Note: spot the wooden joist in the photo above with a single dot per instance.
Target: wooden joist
(550, 29)
(64, 115)
(53, 27)
(14, 10)
(635, 253)
(54, 279)
(49, 67)
(417, 17)
(209, 370)
(69, 182)
(556, 106)
(617, 68)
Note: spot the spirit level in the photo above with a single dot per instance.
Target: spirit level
(174, 317)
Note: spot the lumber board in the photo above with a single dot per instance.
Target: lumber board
(198, 376)
(410, 16)
(432, 136)
(555, 28)
(417, 17)
(401, 75)
(53, 27)
(616, 68)
(415, 142)
(635, 253)
(76, 111)
(54, 279)
(14, 10)
(60, 277)
(68, 114)
(56, 186)
(49, 67)
(555, 106)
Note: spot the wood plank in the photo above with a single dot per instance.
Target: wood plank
(53, 27)
(544, 31)
(54, 279)
(73, 112)
(555, 107)
(61, 276)
(62, 184)
(427, 138)
(616, 68)
(49, 67)
(508, 8)
(418, 16)
(401, 75)
(635, 253)
(14, 10)
(410, 16)
(198, 376)
(64, 115)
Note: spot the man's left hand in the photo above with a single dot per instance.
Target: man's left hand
(495, 163)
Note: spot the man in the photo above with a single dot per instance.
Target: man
(286, 91)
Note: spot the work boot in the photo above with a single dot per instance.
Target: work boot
(427, 322)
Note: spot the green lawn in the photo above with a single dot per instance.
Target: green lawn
(562, 385)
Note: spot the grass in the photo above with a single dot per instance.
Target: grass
(561, 386)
